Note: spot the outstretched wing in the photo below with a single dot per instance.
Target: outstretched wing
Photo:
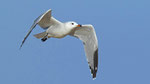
(45, 20)
(87, 34)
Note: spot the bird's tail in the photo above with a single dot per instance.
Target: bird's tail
(40, 35)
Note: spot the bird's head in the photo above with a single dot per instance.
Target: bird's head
(72, 25)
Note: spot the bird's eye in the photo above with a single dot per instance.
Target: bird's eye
(72, 23)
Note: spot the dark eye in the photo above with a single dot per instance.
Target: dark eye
(72, 23)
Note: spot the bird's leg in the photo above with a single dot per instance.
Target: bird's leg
(44, 38)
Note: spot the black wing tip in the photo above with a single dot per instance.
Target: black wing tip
(22, 43)
(96, 59)
(94, 76)
(94, 71)
(20, 47)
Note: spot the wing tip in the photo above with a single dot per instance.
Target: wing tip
(94, 76)
(96, 59)
(94, 71)
(20, 47)
(22, 44)
(49, 10)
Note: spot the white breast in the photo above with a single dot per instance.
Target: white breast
(58, 31)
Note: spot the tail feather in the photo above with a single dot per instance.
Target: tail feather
(40, 35)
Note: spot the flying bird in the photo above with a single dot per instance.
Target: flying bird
(56, 29)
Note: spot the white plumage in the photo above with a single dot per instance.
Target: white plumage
(56, 29)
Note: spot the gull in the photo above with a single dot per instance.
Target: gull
(56, 29)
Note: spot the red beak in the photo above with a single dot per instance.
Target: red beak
(79, 25)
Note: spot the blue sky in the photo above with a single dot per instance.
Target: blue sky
(123, 32)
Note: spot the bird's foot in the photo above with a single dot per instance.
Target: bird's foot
(43, 39)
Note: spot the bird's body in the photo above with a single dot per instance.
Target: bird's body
(56, 29)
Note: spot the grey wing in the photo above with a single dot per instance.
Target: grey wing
(45, 20)
(87, 34)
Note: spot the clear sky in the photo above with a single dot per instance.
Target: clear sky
(123, 31)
